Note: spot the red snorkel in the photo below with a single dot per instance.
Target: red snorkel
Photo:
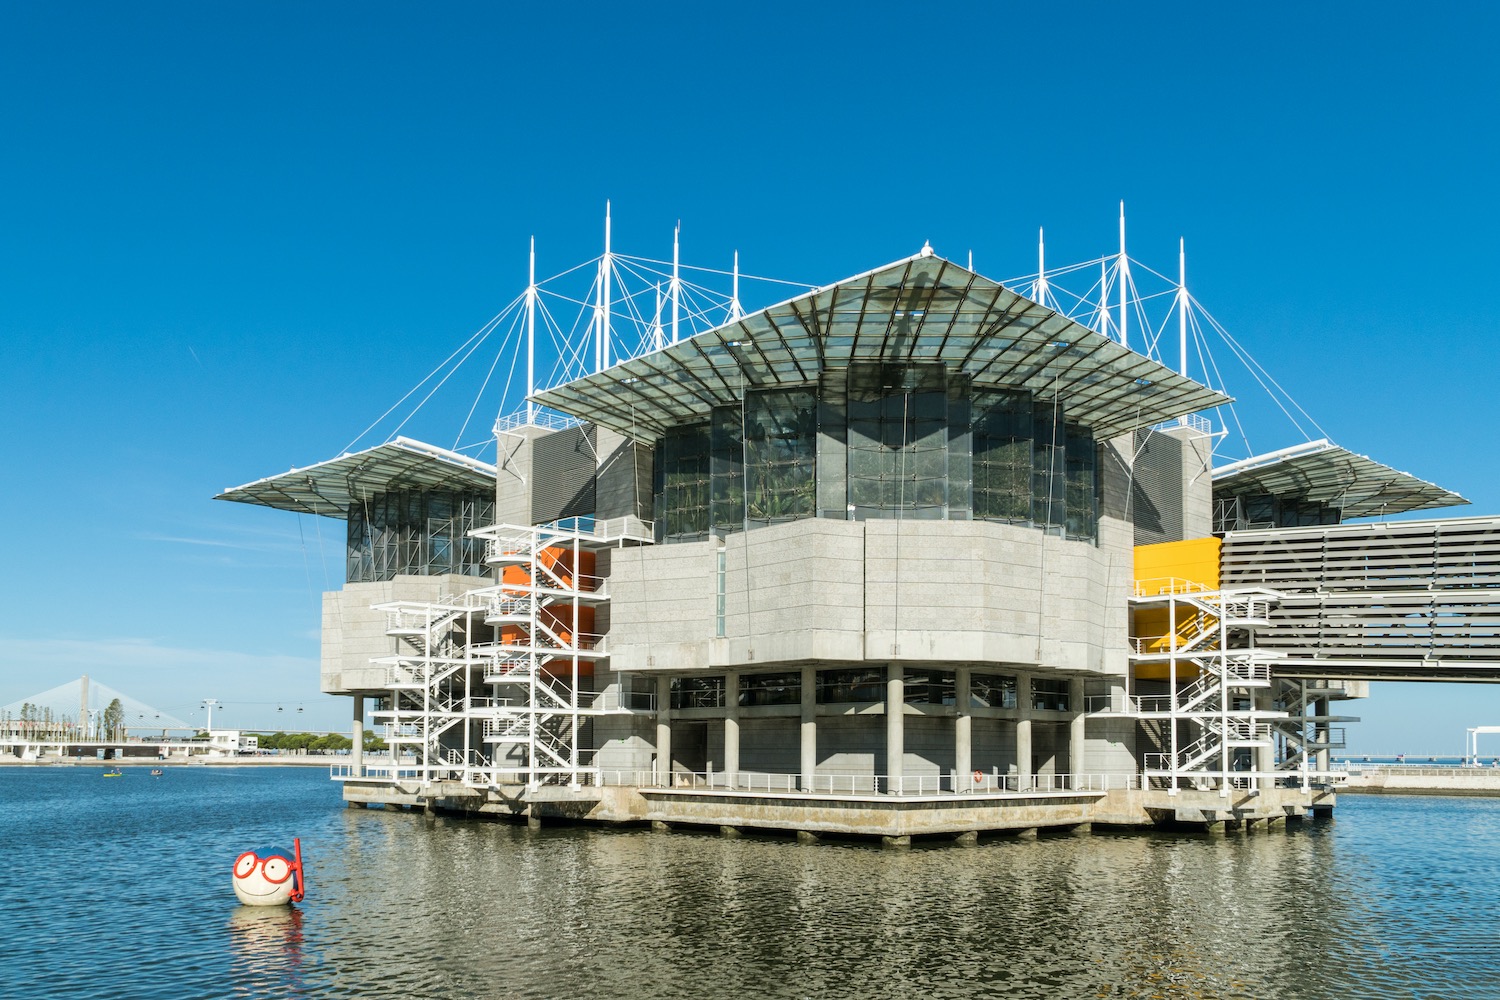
(301, 885)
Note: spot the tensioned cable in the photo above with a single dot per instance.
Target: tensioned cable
(719, 271)
(441, 382)
(509, 378)
(478, 335)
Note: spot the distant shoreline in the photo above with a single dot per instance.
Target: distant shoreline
(280, 761)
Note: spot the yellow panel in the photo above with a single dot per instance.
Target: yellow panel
(1170, 565)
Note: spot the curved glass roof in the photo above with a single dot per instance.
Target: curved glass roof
(923, 308)
(328, 488)
(1322, 472)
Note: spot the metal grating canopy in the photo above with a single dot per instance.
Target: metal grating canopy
(328, 488)
(1322, 472)
(923, 308)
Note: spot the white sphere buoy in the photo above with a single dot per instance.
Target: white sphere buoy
(270, 876)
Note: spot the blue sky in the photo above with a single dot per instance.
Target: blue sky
(232, 234)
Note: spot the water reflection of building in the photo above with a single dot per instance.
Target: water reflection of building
(697, 582)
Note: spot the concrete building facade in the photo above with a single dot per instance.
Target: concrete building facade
(911, 553)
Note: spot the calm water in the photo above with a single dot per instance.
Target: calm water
(120, 889)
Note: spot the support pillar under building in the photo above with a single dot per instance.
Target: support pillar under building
(664, 731)
(963, 730)
(895, 727)
(357, 737)
(1324, 755)
(731, 728)
(1077, 738)
(1023, 732)
(1265, 755)
(809, 726)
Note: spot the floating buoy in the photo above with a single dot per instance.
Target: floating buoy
(270, 876)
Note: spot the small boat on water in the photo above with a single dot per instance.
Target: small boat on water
(114, 772)
(157, 772)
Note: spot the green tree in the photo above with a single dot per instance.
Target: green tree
(114, 719)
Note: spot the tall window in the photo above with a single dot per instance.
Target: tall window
(417, 533)
(781, 439)
(898, 440)
(682, 484)
(1002, 455)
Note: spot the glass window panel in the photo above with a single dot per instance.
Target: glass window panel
(780, 440)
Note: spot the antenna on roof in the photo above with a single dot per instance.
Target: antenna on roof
(1104, 298)
(1039, 289)
(658, 338)
(1124, 279)
(675, 288)
(1182, 306)
(971, 260)
(531, 336)
(735, 312)
(606, 271)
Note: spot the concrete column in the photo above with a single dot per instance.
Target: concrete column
(963, 730)
(895, 726)
(1324, 756)
(809, 726)
(664, 730)
(1076, 732)
(1265, 757)
(731, 727)
(1023, 731)
(357, 736)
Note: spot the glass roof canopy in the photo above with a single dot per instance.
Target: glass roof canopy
(921, 309)
(329, 488)
(1322, 472)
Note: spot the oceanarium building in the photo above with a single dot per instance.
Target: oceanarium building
(908, 554)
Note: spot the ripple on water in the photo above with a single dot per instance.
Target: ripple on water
(120, 889)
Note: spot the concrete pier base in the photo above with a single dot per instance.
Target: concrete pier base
(957, 818)
(902, 841)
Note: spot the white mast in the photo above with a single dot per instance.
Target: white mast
(971, 260)
(1182, 307)
(531, 337)
(675, 289)
(658, 339)
(1104, 298)
(1039, 290)
(1124, 279)
(735, 311)
(606, 272)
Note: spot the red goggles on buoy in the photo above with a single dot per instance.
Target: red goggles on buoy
(274, 867)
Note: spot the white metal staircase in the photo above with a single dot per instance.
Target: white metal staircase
(489, 687)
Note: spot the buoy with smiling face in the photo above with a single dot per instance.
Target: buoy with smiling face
(270, 876)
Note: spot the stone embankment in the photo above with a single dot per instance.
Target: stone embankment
(1409, 780)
